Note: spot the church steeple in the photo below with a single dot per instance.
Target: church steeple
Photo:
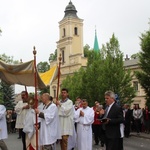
(70, 43)
(70, 11)
(96, 46)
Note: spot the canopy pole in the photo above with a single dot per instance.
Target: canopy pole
(25, 88)
(59, 59)
(36, 100)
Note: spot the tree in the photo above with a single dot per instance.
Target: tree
(118, 79)
(134, 56)
(86, 49)
(1, 96)
(92, 78)
(74, 84)
(105, 71)
(8, 59)
(144, 61)
(7, 90)
(52, 56)
(43, 67)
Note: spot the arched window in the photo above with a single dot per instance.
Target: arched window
(54, 91)
(64, 32)
(135, 85)
(76, 31)
(63, 56)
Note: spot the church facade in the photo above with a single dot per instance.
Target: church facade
(70, 46)
(132, 65)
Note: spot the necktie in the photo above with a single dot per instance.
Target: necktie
(105, 116)
(106, 112)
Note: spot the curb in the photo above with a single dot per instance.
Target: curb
(140, 136)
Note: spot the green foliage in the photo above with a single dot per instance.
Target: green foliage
(105, 71)
(134, 56)
(1, 96)
(53, 56)
(86, 50)
(92, 78)
(74, 84)
(118, 79)
(6, 90)
(144, 62)
(45, 90)
(7, 95)
(92, 56)
(43, 67)
(8, 59)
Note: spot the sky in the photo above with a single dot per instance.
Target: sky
(28, 23)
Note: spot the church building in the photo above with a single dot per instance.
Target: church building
(69, 45)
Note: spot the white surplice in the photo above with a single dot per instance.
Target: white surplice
(29, 128)
(21, 113)
(3, 125)
(50, 127)
(66, 115)
(72, 140)
(84, 128)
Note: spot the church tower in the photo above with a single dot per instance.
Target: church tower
(70, 44)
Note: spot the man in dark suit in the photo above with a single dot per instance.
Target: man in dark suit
(128, 117)
(112, 119)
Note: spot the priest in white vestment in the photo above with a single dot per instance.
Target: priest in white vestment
(3, 127)
(49, 123)
(29, 125)
(29, 129)
(66, 114)
(21, 109)
(84, 117)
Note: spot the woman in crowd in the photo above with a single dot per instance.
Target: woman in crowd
(137, 115)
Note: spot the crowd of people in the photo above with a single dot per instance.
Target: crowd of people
(74, 126)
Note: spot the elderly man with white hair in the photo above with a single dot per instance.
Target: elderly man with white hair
(49, 123)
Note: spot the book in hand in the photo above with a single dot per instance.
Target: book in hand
(103, 120)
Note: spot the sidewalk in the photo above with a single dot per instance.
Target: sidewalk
(141, 135)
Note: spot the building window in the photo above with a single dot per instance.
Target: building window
(64, 32)
(76, 31)
(135, 85)
(54, 93)
(54, 90)
(63, 56)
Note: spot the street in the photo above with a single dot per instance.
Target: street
(132, 143)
